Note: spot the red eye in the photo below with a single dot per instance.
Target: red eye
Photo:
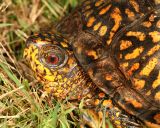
(53, 56)
(52, 59)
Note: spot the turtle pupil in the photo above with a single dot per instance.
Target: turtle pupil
(53, 59)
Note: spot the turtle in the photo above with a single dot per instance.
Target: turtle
(107, 52)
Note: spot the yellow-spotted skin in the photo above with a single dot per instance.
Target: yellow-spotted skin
(113, 45)
(58, 81)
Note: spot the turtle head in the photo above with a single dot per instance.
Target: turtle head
(54, 65)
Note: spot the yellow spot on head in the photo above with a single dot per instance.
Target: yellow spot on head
(49, 78)
(136, 52)
(149, 67)
(59, 77)
(91, 21)
(59, 91)
(103, 30)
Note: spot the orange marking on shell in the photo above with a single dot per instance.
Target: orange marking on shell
(155, 36)
(101, 95)
(124, 44)
(147, 24)
(117, 19)
(139, 35)
(93, 54)
(107, 103)
(153, 50)
(130, 14)
(134, 102)
(158, 24)
(157, 118)
(156, 83)
(99, 2)
(133, 68)
(139, 84)
(104, 10)
(108, 77)
(135, 5)
(157, 96)
(103, 30)
(97, 26)
(136, 52)
(149, 67)
(124, 65)
(91, 21)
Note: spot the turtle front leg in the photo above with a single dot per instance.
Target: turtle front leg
(103, 108)
(120, 119)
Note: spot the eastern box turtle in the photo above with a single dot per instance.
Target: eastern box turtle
(107, 45)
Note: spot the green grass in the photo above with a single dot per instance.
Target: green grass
(22, 103)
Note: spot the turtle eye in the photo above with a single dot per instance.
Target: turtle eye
(52, 59)
(53, 56)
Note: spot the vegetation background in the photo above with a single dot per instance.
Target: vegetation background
(22, 106)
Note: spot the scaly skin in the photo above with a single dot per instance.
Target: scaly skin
(117, 44)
